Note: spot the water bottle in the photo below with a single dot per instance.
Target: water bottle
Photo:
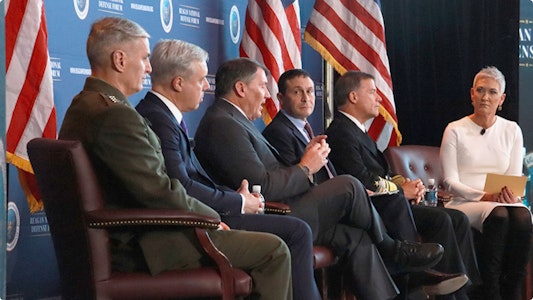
(256, 189)
(431, 198)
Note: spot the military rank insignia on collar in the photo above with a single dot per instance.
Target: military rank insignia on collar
(114, 99)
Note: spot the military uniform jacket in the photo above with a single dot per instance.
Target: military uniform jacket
(129, 163)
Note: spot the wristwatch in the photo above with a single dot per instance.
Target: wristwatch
(307, 173)
(305, 169)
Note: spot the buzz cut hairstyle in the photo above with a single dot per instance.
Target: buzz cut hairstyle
(109, 33)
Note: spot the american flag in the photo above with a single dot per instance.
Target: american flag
(350, 35)
(272, 37)
(30, 110)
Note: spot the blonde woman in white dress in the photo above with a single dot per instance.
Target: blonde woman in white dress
(471, 147)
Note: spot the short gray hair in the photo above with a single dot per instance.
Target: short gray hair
(171, 58)
(109, 32)
(491, 72)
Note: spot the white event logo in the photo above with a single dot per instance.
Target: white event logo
(82, 8)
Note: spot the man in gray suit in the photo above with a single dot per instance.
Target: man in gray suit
(128, 161)
(339, 211)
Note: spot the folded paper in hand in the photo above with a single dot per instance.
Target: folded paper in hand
(495, 182)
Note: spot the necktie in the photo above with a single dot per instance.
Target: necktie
(184, 127)
(309, 130)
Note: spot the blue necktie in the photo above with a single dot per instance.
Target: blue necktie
(184, 127)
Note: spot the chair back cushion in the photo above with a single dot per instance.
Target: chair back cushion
(416, 161)
(69, 187)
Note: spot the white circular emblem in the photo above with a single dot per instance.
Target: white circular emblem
(13, 226)
(166, 14)
(82, 8)
(234, 24)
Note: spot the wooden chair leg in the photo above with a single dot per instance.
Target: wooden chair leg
(322, 282)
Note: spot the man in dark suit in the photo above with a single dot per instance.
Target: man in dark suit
(126, 155)
(178, 85)
(230, 148)
(354, 152)
(287, 132)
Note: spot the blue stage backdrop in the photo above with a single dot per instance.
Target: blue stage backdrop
(215, 25)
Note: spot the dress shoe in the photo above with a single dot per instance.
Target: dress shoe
(416, 257)
(437, 283)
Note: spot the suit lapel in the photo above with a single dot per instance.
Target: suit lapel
(297, 133)
(183, 135)
(189, 157)
(369, 144)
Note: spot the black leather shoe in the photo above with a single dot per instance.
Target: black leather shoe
(416, 257)
(437, 283)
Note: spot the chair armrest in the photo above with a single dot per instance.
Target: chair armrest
(112, 218)
(106, 218)
(277, 208)
(221, 261)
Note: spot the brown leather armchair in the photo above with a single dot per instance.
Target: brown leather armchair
(418, 161)
(79, 225)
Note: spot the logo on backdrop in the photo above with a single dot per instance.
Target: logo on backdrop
(235, 24)
(165, 12)
(55, 63)
(82, 8)
(13, 226)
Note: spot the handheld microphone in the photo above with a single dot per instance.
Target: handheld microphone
(482, 132)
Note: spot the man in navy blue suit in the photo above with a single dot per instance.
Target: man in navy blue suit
(178, 85)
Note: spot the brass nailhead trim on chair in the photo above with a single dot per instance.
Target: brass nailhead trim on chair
(154, 222)
(277, 211)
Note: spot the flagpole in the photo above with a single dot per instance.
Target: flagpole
(328, 75)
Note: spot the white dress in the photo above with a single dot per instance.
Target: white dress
(467, 156)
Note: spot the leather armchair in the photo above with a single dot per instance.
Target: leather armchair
(80, 224)
(418, 161)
